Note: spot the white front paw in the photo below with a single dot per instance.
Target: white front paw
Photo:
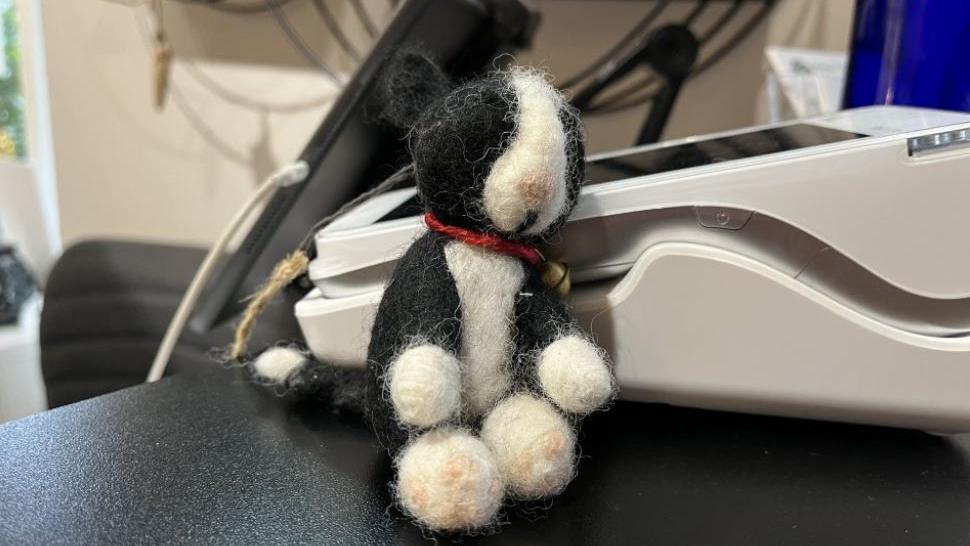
(277, 363)
(573, 372)
(425, 385)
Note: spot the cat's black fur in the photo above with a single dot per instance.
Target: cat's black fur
(454, 142)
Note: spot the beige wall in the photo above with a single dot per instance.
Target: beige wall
(127, 170)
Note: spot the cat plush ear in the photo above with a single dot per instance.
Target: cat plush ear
(410, 81)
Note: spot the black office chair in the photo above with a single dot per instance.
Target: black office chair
(107, 305)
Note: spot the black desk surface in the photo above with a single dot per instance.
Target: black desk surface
(212, 459)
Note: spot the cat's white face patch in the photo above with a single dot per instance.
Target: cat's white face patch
(525, 191)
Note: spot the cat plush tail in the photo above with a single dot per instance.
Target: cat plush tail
(410, 81)
(296, 371)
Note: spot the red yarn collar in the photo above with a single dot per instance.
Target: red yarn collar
(525, 252)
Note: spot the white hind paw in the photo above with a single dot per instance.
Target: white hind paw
(534, 447)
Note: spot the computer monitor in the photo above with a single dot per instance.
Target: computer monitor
(350, 151)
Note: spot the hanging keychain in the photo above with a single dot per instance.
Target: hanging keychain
(163, 57)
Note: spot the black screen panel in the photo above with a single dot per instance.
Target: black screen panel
(715, 150)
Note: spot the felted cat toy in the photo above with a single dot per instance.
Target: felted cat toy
(476, 372)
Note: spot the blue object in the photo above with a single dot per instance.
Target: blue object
(913, 52)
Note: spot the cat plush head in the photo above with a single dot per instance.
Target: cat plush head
(503, 154)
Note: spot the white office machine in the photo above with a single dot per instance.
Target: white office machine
(819, 268)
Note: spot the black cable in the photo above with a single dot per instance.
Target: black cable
(338, 34)
(731, 43)
(227, 94)
(297, 42)
(230, 7)
(738, 37)
(365, 19)
(709, 34)
(638, 29)
(695, 13)
(722, 21)
(325, 13)
(584, 96)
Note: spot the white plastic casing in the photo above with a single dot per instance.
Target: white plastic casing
(697, 325)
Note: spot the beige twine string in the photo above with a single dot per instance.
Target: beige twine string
(294, 265)
(285, 272)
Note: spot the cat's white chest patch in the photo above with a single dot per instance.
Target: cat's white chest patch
(487, 284)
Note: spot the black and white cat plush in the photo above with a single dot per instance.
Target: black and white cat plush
(476, 372)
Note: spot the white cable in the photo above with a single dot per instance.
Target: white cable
(286, 176)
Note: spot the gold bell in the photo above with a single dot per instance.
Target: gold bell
(555, 275)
